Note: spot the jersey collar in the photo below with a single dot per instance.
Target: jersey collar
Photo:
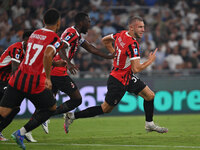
(45, 29)
(129, 35)
(76, 31)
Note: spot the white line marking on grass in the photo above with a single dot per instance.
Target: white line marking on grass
(107, 145)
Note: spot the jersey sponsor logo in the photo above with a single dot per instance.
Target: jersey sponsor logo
(67, 38)
(57, 44)
(135, 51)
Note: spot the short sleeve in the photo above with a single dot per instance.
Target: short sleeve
(17, 55)
(56, 44)
(69, 37)
(133, 51)
(114, 36)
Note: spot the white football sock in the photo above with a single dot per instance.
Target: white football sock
(23, 131)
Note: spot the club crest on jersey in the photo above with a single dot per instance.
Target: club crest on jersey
(67, 38)
(17, 56)
(57, 44)
(135, 51)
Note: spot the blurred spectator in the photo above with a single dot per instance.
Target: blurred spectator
(37, 3)
(174, 60)
(108, 28)
(17, 10)
(94, 15)
(181, 6)
(63, 8)
(160, 57)
(192, 15)
(148, 43)
(5, 23)
(189, 43)
(96, 3)
(172, 41)
(107, 14)
(193, 60)
(182, 31)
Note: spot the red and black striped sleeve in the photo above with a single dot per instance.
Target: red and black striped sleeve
(133, 51)
(56, 43)
(17, 54)
(114, 36)
(70, 37)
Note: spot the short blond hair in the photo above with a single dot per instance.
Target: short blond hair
(134, 18)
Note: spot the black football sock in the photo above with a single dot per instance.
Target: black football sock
(9, 119)
(89, 112)
(148, 109)
(38, 118)
(67, 106)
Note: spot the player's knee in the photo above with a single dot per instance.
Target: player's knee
(53, 108)
(77, 102)
(107, 110)
(42, 115)
(4, 111)
(150, 96)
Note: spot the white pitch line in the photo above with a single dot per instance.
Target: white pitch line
(108, 145)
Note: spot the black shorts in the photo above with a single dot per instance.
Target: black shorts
(135, 85)
(64, 84)
(13, 97)
(116, 89)
(3, 87)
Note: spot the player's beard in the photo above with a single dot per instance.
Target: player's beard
(84, 30)
(137, 36)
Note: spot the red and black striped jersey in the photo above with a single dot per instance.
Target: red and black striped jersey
(14, 52)
(127, 49)
(73, 39)
(30, 76)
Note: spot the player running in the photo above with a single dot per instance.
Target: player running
(32, 79)
(9, 62)
(59, 76)
(122, 78)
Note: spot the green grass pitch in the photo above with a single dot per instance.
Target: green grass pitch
(113, 133)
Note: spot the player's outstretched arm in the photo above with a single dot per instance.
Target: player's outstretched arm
(136, 66)
(90, 48)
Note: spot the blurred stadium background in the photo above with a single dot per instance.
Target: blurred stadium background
(172, 26)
